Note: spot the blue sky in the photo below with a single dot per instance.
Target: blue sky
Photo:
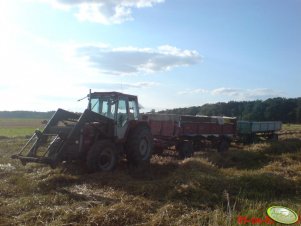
(171, 53)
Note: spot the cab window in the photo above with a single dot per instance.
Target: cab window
(105, 106)
(95, 105)
(133, 108)
(122, 116)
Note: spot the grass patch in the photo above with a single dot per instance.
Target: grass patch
(287, 126)
(20, 122)
(285, 146)
(16, 132)
(208, 189)
(16, 127)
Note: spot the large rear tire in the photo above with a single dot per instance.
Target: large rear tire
(139, 146)
(102, 156)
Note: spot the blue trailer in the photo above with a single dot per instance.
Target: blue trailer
(250, 131)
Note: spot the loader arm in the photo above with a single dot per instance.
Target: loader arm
(62, 137)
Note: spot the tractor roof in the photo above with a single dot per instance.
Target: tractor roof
(113, 94)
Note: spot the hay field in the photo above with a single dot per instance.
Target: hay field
(207, 189)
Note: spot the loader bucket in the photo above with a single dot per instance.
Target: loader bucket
(64, 130)
(38, 147)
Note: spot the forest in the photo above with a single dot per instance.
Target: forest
(287, 110)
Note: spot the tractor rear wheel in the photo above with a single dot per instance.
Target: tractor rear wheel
(139, 146)
(102, 156)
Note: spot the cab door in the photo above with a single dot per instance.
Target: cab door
(122, 117)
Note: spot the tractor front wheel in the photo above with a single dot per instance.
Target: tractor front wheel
(102, 157)
(139, 146)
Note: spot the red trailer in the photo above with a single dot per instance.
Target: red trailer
(190, 133)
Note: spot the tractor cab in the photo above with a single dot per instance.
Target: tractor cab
(122, 108)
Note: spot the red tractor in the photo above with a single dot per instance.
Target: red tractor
(109, 128)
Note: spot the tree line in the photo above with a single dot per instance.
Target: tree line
(287, 110)
(26, 114)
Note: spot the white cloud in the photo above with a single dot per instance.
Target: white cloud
(133, 60)
(193, 91)
(227, 91)
(103, 11)
(235, 93)
(246, 94)
(140, 84)
(120, 86)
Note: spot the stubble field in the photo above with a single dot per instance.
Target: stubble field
(207, 189)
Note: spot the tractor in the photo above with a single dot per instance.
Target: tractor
(110, 128)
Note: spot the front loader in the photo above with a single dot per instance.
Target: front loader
(108, 129)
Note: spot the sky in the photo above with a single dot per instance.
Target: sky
(170, 53)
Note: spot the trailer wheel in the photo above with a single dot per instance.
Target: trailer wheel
(223, 146)
(139, 146)
(185, 149)
(158, 150)
(102, 156)
(274, 137)
(248, 138)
